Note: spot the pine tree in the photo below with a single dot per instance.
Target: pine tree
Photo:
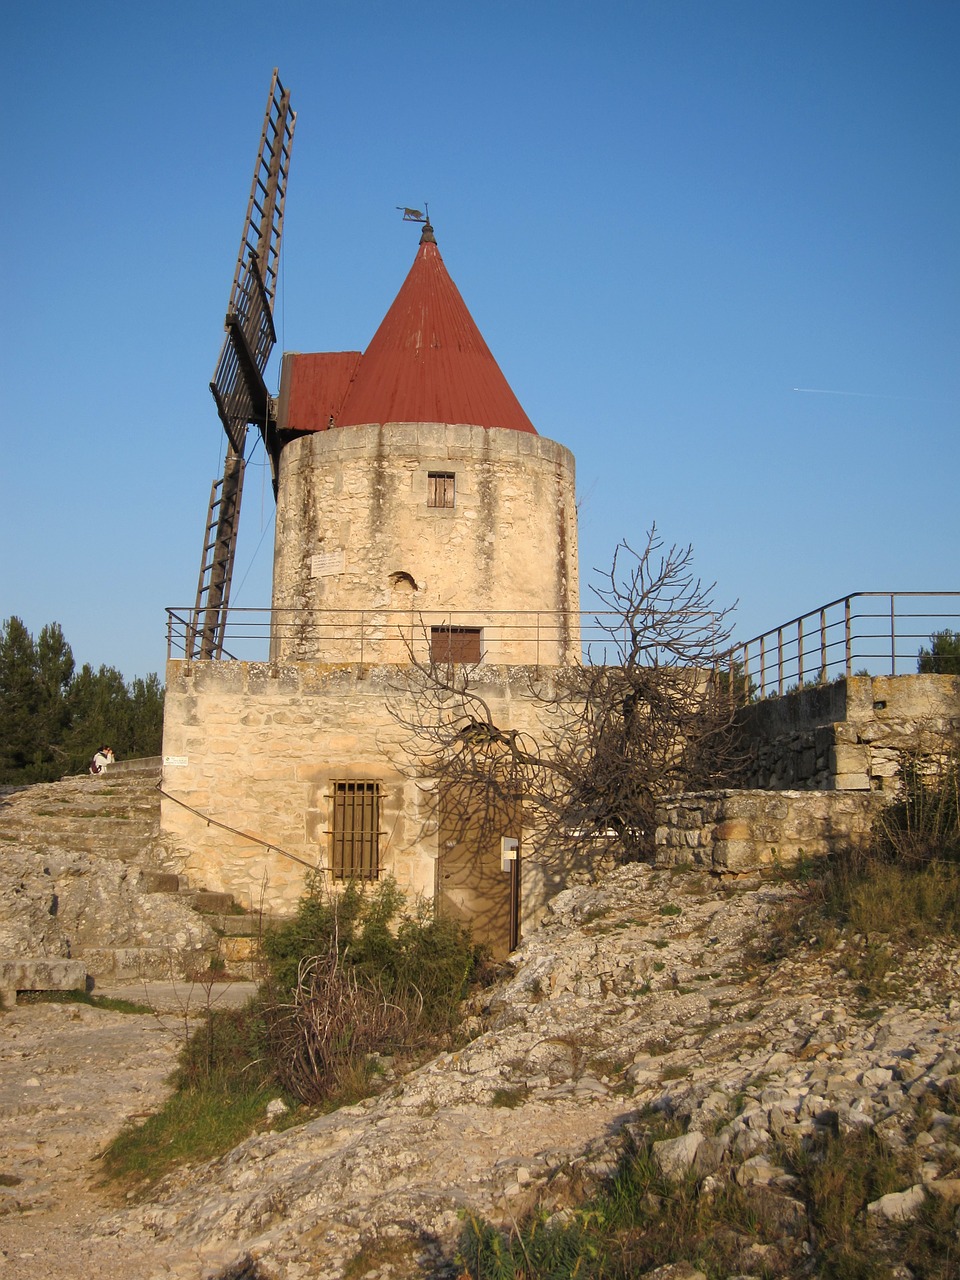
(53, 717)
(19, 699)
(943, 656)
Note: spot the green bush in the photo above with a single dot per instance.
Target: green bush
(417, 958)
(227, 1052)
(358, 974)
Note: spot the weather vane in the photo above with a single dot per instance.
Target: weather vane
(415, 215)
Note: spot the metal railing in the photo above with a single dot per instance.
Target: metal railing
(868, 632)
(373, 636)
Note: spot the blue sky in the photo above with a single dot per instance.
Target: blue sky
(664, 216)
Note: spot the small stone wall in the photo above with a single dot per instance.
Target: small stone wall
(742, 831)
(851, 735)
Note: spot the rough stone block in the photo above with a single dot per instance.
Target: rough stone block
(734, 829)
(42, 975)
(852, 782)
(847, 758)
(884, 768)
(736, 855)
(674, 1156)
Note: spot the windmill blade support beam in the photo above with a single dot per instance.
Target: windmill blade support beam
(238, 386)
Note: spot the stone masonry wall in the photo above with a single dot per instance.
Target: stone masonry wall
(851, 735)
(820, 763)
(356, 532)
(742, 831)
(257, 746)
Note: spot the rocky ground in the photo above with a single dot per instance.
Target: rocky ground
(635, 994)
(70, 1077)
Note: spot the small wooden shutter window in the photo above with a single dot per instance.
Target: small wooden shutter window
(356, 830)
(455, 644)
(441, 489)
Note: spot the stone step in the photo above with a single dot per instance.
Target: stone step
(241, 956)
(245, 926)
(117, 815)
(80, 807)
(162, 882)
(137, 962)
(207, 902)
(24, 974)
(78, 827)
(93, 791)
(128, 850)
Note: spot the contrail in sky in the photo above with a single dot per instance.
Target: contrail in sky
(869, 395)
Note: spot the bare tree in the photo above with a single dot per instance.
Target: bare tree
(643, 715)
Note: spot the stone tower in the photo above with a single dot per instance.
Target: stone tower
(417, 505)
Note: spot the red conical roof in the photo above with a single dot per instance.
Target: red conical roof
(428, 361)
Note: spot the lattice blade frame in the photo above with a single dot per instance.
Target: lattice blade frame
(238, 387)
(238, 384)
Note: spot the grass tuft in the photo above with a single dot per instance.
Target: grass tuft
(112, 1003)
(193, 1125)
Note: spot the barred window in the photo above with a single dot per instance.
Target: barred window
(455, 644)
(356, 830)
(441, 489)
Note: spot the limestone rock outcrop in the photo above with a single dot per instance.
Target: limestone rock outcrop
(79, 870)
(633, 996)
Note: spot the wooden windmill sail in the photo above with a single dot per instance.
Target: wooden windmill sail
(238, 385)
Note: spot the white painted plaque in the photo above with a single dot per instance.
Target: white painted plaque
(175, 762)
(326, 563)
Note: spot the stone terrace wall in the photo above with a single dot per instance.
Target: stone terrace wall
(742, 831)
(851, 735)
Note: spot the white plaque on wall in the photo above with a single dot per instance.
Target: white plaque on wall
(175, 762)
(325, 563)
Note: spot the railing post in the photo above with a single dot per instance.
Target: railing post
(847, 638)
(746, 670)
(893, 636)
(780, 661)
(763, 667)
(800, 652)
(823, 646)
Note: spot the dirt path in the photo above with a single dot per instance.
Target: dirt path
(70, 1077)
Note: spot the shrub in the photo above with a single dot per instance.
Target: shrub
(923, 826)
(321, 1042)
(356, 974)
(227, 1052)
(353, 976)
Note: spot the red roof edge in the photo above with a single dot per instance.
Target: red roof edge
(313, 386)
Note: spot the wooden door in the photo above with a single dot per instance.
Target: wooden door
(473, 886)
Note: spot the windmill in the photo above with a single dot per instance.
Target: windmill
(238, 386)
